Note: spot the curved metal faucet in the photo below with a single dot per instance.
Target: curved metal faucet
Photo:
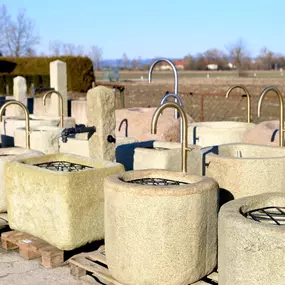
(184, 144)
(178, 100)
(60, 104)
(28, 141)
(171, 95)
(174, 73)
(281, 105)
(248, 99)
(127, 125)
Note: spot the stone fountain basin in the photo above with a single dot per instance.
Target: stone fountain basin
(169, 231)
(244, 169)
(43, 138)
(7, 155)
(10, 124)
(215, 133)
(70, 205)
(167, 155)
(257, 247)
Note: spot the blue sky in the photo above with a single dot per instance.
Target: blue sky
(152, 28)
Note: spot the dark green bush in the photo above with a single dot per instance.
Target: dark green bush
(80, 74)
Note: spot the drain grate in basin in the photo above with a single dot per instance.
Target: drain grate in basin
(62, 166)
(156, 182)
(267, 215)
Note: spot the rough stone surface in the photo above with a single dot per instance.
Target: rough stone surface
(44, 139)
(70, 205)
(19, 94)
(139, 124)
(250, 252)
(6, 155)
(79, 111)
(58, 81)
(216, 133)
(260, 169)
(157, 234)
(101, 114)
(263, 133)
(75, 146)
(167, 155)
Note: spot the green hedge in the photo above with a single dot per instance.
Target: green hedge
(80, 74)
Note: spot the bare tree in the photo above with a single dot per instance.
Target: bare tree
(19, 35)
(125, 60)
(4, 18)
(55, 48)
(96, 54)
(238, 54)
(265, 59)
(71, 49)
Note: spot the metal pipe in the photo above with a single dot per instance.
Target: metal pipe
(174, 73)
(248, 99)
(127, 125)
(28, 141)
(60, 98)
(281, 105)
(179, 101)
(184, 144)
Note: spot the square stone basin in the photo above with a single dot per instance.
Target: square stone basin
(6, 155)
(245, 169)
(10, 124)
(216, 133)
(43, 138)
(62, 192)
(167, 155)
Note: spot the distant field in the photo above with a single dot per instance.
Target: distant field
(184, 75)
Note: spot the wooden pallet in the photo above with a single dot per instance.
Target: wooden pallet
(92, 269)
(31, 247)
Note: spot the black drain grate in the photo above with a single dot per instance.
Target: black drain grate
(62, 166)
(156, 182)
(267, 215)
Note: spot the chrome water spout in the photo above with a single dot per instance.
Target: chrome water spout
(179, 102)
(60, 98)
(174, 73)
(184, 144)
(248, 99)
(28, 141)
(281, 106)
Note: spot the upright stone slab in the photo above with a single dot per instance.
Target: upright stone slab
(58, 81)
(101, 114)
(19, 94)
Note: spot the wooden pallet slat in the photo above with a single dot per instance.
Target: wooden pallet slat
(94, 264)
(31, 247)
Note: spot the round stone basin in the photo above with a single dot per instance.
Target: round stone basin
(215, 133)
(156, 219)
(244, 169)
(43, 138)
(6, 155)
(251, 230)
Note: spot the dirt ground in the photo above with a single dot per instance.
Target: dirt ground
(197, 89)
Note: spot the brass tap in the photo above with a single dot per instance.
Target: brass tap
(281, 105)
(28, 141)
(248, 99)
(184, 129)
(60, 104)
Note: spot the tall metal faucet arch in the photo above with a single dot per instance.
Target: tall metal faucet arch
(175, 77)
